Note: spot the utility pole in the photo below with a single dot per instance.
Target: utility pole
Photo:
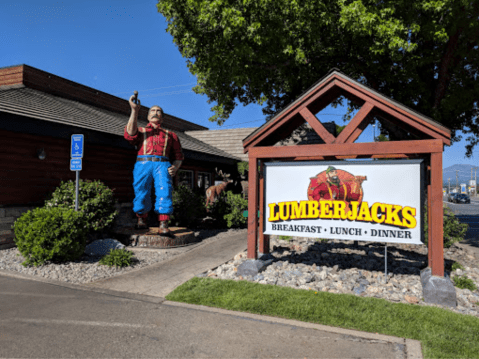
(449, 183)
(469, 189)
(457, 187)
(475, 179)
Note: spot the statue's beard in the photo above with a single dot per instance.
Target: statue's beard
(334, 179)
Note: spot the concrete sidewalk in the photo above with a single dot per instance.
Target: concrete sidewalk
(160, 279)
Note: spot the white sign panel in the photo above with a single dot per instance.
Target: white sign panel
(367, 201)
(75, 164)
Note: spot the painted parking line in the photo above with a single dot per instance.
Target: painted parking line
(78, 322)
(457, 204)
(39, 295)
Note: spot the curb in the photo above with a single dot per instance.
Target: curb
(413, 347)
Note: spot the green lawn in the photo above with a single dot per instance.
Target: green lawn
(443, 334)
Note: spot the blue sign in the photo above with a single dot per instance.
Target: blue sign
(77, 146)
(75, 164)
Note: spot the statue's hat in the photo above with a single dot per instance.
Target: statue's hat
(330, 168)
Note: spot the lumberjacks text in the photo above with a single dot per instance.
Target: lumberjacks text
(390, 214)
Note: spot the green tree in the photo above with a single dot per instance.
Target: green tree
(421, 53)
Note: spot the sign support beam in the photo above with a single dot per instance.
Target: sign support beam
(252, 207)
(436, 213)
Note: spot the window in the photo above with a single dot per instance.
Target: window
(204, 180)
(185, 177)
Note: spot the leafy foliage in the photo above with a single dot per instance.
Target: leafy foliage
(421, 53)
(50, 234)
(96, 202)
(117, 257)
(228, 210)
(454, 231)
(188, 206)
(236, 206)
(456, 265)
(243, 168)
(464, 283)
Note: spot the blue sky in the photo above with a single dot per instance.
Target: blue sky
(121, 46)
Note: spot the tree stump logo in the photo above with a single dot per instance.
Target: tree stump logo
(336, 185)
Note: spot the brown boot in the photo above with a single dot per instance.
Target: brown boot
(164, 230)
(142, 223)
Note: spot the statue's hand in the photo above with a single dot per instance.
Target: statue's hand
(134, 107)
(172, 170)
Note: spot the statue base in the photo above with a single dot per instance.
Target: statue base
(151, 238)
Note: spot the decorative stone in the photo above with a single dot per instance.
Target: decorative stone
(151, 238)
(411, 299)
(360, 289)
(102, 247)
(251, 267)
(438, 290)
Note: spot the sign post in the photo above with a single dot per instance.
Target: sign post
(76, 155)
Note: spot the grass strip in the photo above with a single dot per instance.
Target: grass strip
(443, 333)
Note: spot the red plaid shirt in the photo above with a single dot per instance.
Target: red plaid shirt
(328, 190)
(154, 140)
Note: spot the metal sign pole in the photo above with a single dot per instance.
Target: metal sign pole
(76, 154)
(76, 189)
(386, 263)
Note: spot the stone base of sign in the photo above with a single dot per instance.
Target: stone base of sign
(151, 238)
(252, 267)
(438, 290)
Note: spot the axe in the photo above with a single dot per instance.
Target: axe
(135, 99)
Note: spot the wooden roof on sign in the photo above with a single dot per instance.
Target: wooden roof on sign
(390, 113)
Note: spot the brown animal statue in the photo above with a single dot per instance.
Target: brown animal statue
(213, 192)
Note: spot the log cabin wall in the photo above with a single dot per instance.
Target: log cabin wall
(26, 181)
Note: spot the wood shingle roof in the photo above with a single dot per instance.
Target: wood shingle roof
(229, 141)
(20, 100)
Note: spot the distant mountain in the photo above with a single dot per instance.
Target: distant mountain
(463, 174)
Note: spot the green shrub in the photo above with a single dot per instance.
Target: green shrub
(285, 238)
(117, 257)
(243, 168)
(188, 206)
(228, 210)
(464, 283)
(218, 210)
(50, 234)
(456, 266)
(96, 202)
(236, 206)
(454, 231)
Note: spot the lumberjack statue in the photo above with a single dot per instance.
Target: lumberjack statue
(156, 148)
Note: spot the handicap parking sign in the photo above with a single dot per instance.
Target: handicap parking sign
(77, 146)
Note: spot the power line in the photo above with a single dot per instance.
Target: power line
(157, 88)
(168, 93)
(240, 123)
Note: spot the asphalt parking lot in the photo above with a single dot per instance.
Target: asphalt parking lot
(467, 213)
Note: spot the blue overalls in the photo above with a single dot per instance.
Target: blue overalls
(144, 174)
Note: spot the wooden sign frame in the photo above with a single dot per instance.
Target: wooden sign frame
(431, 135)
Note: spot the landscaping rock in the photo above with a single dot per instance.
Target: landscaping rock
(102, 247)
